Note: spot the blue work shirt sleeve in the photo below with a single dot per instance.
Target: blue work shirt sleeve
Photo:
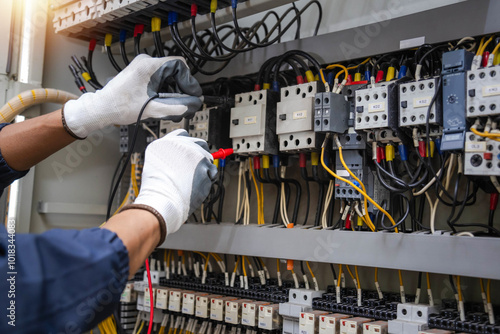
(64, 281)
(7, 174)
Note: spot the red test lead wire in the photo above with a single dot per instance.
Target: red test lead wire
(92, 44)
(152, 309)
(222, 153)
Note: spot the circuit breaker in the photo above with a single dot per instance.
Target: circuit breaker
(482, 156)
(212, 125)
(414, 101)
(377, 107)
(295, 118)
(483, 92)
(253, 123)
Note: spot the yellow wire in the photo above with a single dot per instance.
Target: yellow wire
(376, 274)
(350, 273)
(162, 330)
(344, 70)
(259, 218)
(201, 254)
(206, 262)
(175, 331)
(362, 63)
(262, 202)
(358, 189)
(493, 136)
(368, 220)
(243, 266)
(428, 281)
(357, 276)
(488, 295)
(481, 284)
(278, 265)
(134, 180)
(459, 289)
(101, 328)
(236, 265)
(400, 278)
(310, 270)
(480, 47)
(486, 45)
(340, 275)
(322, 75)
(91, 332)
(495, 50)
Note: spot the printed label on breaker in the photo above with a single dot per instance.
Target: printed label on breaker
(375, 107)
(201, 126)
(422, 102)
(342, 172)
(475, 147)
(300, 114)
(250, 120)
(491, 90)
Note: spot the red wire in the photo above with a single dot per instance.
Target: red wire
(151, 314)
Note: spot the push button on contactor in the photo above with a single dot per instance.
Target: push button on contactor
(404, 104)
(488, 156)
(235, 121)
(472, 92)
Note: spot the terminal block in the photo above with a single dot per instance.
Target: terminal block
(483, 92)
(455, 65)
(143, 139)
(295, 118)
(169, 126)
(414, 101)
(253, 123)
(331, 113)
(212, 125)
(377, 107)
(482, 156)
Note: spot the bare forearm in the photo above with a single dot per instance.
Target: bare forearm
(25, 144)
(140, 233)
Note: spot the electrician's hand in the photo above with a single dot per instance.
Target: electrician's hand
(176, 179)
(121, 100)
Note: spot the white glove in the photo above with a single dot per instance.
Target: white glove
(121, 100)
(176, 179)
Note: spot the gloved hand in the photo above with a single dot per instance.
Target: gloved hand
(121, 100)
(176, 179)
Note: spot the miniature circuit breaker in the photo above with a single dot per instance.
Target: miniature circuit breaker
(295, 118)
(309, 321)
(483, 92)
(330, 323)
(353, 325)
(377, 327)
(253, 123)
(482, 156)
(331, 113)
(414, 101)
(212, 125)
(377, 107)
(250, 313)
(269, 318)
(217, 306)
(203, 305)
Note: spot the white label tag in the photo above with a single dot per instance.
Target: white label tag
(245, 321)
(412, 42)
(422, 102)
(201, 126)
(342, 172)
(250, 120)
(376, 107)
(300, 114)
(479, 146)
(491, 90)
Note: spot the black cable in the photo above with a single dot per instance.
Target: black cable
(222, 194)
(90, 67)
(112, 59)
(333, 272)
(307, 179)
(78, 80)
(268, 179)
(321, 194)
(129, 155)
(137, 44)
(158, 43)
(114, 175)
(298, 193)
(123, 53)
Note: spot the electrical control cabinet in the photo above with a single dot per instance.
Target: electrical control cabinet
(377, 107)
(295, 118)
(331, 113)
(455, 65)
(253, 123)
(330, 323)
(483, 92)
(482, 156)
(212, 125)
(414, 101)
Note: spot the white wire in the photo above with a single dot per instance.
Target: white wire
(465, 233)
(148, 129)
(283, 209)
(328, 199)
(446, 184)
(431, 182)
